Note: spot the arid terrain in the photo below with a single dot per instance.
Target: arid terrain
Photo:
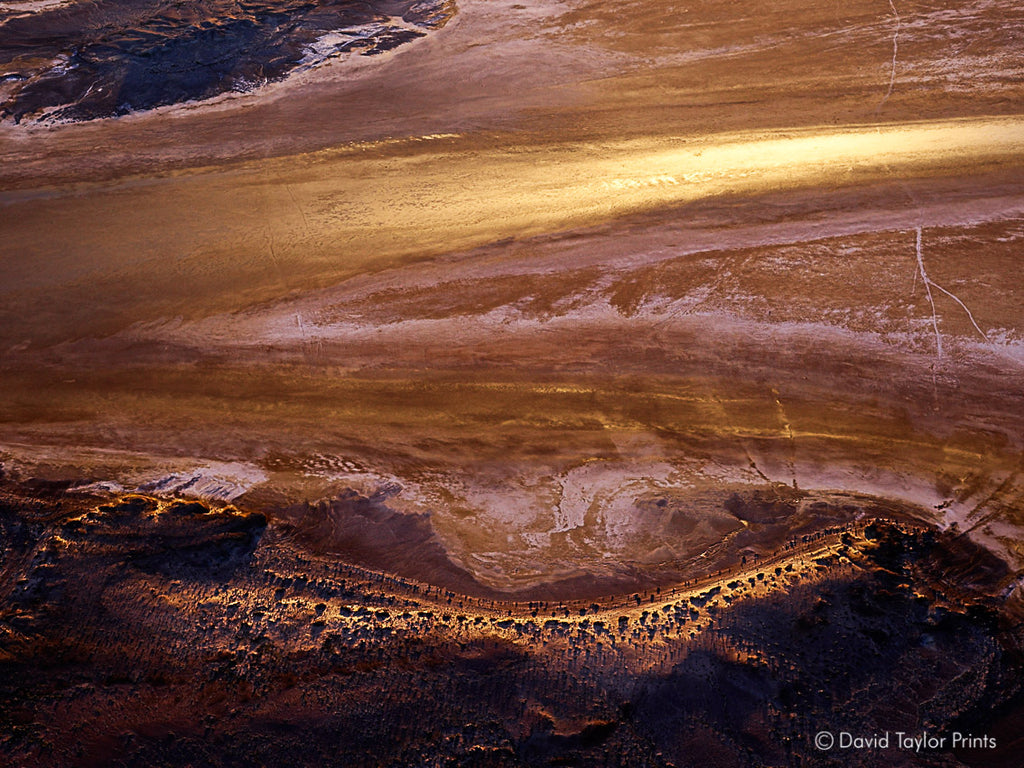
(573, 383)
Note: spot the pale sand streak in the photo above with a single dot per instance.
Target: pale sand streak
(532, 191)
(199, 243)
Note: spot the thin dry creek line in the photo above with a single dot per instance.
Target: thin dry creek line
(970, 315)
(895, 53)
(928, 285)
(928, 291)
